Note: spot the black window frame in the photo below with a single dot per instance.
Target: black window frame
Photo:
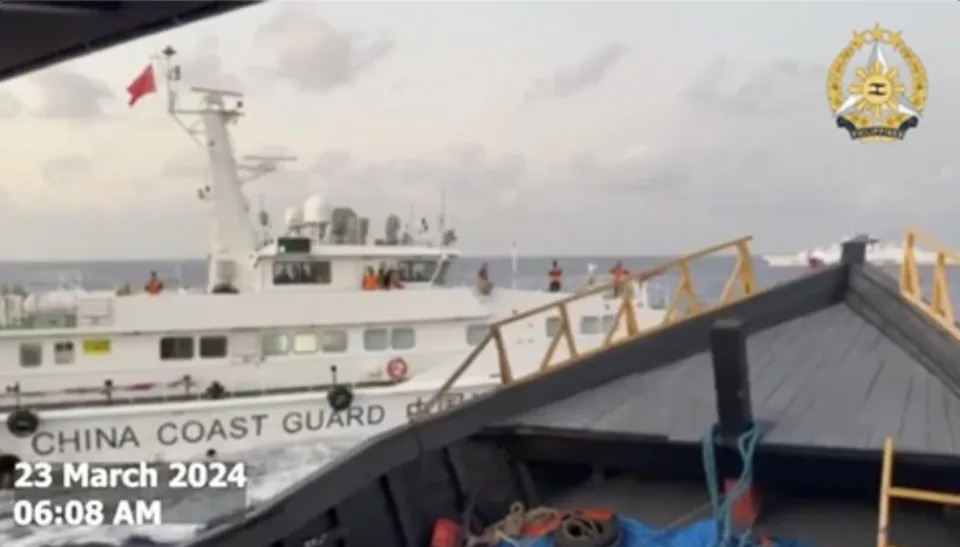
(319, 272)
(64, 347)
(33, 349)
(406, 267)
(170, 347)
(221, 345)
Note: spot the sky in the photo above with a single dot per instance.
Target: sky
(568, 128)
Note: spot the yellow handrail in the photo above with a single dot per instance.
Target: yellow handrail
(888, 492)
(939, 306)
(740, 284)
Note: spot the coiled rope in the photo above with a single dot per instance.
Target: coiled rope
(722, 504)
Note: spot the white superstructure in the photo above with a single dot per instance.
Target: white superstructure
(285, 343)
(878, 253)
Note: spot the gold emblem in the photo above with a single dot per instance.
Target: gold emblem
(875, 104)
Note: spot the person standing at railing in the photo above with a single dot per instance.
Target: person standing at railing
(618, 275)
(370, 279)
(556, 277)
(483, 280)
(154, 285)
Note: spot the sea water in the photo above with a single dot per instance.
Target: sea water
(274, 469)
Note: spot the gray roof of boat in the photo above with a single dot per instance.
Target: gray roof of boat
(829, 379)
(37, 33)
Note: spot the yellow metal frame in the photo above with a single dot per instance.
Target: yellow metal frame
(888, 492)
(739, 285)
(939, 306)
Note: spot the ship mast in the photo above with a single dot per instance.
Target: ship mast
(233, 240)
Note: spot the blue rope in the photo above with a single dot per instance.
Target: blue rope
(723, 504)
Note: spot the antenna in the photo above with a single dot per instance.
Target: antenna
(442, 218)
(213, 99)
(255, 166)
(220, 92)
(411, 220)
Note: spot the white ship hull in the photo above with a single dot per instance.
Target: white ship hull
(193, 430)
(197, 429)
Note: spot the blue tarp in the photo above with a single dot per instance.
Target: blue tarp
(635, 534)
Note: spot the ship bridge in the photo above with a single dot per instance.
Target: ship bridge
(844, 373)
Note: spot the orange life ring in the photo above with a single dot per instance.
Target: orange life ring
(397, 369)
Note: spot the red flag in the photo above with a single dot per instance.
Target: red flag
(142, 85)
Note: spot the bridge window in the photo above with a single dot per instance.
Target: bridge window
(591, 324)
(334, 341)
(213, 347)
(416, 271)
(31, 355)
(276, 344)
(403, 338)
(553, 326)
(301, 273)
(176, 348)
(376, 339)
(440, 279)
(476, 334)
(305, 342)
(63, 353)
(608, 321)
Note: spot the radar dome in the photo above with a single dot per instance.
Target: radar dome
(315, 210)
(292, 216)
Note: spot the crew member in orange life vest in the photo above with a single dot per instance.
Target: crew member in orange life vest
(154, 285)
(370, 280)
(556, 277)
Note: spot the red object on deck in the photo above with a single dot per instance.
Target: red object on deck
(746, 508)
(445, 533)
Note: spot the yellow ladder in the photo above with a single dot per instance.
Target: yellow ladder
(889, 492)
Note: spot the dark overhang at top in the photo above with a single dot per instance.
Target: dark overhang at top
(37, 34)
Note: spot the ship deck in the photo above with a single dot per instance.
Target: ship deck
(830, 379)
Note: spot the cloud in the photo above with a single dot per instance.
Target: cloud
(65, 170)
(482, 184)
(186, 163)
(10, 105)
(71, 95)
(570, 80)
(94, 233)
(778, 86)
(314, 56)
(468, 169)
(758, 152)
(332, 162)
(206, 68)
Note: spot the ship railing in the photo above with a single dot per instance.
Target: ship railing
(938, 305)
(55, 280)
(684, 303)
(889, 492)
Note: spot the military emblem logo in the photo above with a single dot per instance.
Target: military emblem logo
(866, 87)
